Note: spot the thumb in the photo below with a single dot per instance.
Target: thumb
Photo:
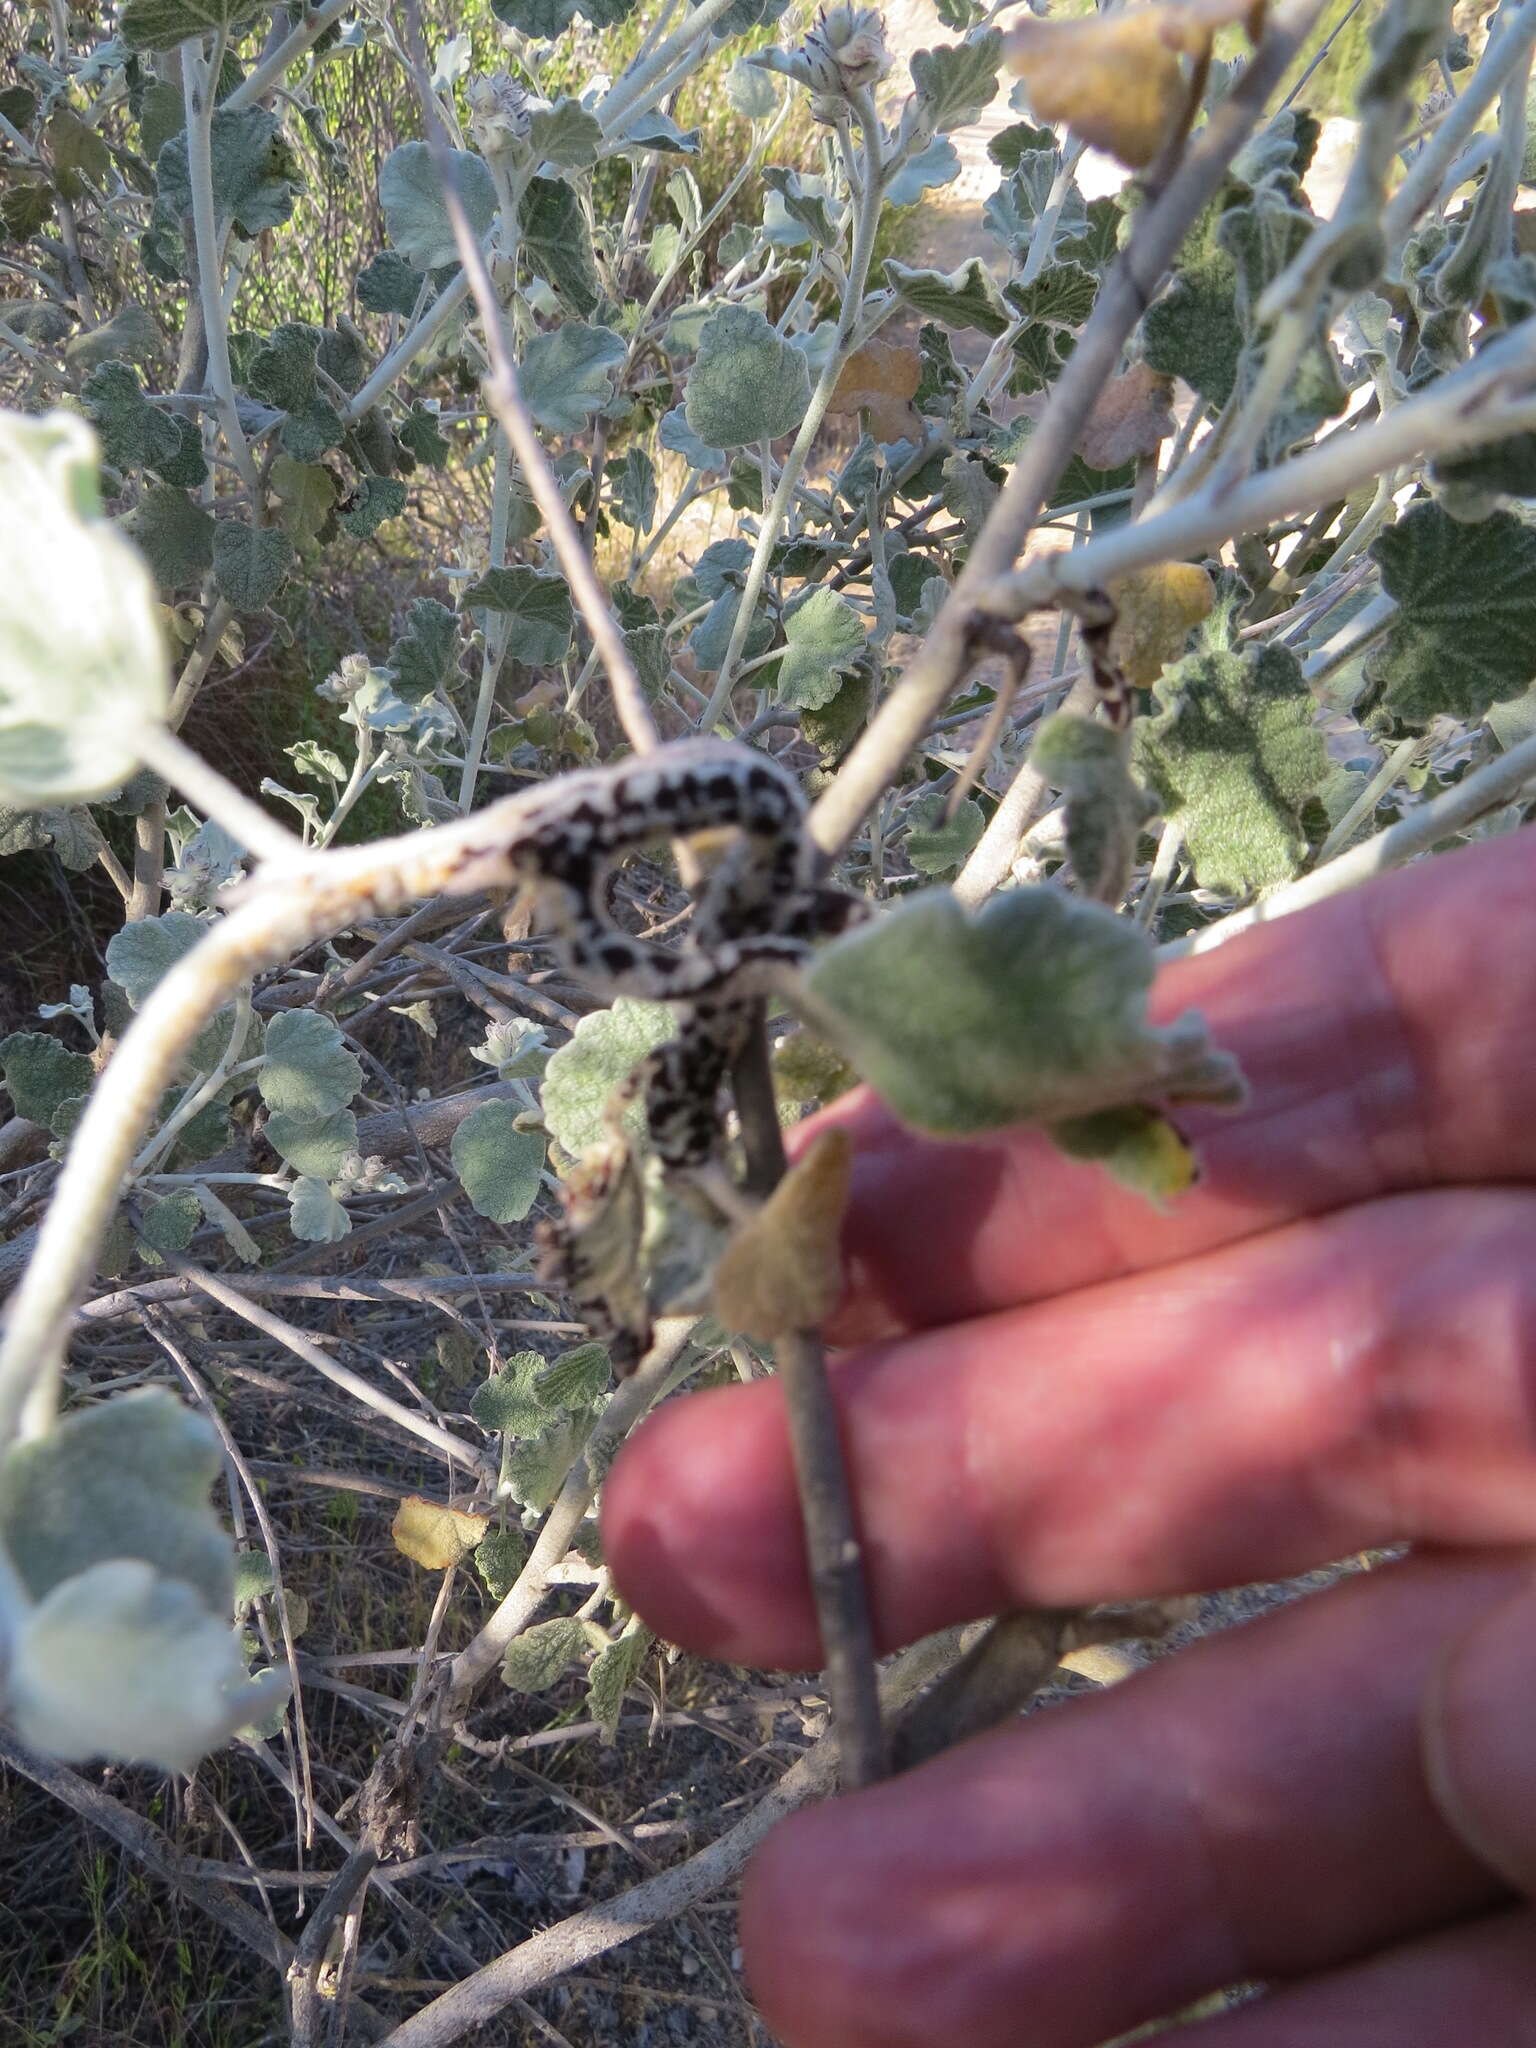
(1479, 1737)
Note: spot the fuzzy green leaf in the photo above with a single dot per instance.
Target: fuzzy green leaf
(1032, 1011)
(70, 833)
(958, 80)
(39, 1074)
(498, 1165)
(603, 1050)
(557, 243)
(537, 607)
(1139, 1146)
(577, 1378)
(746, 385)
(307, 1069)
(167, 1225)
(142, 952)
(412, 198)
(422, 655)
(633, 481)
(565, 134)
(509, 1401)
(128, 1477)
(387, 283)
(1233, 755)
(135, 433)
(162, 24)
(965, 297)
(255, 173)
(536, 1659)
(376, 499)
(315, 1216)
(824, 638)
(938, 846)
(1465, 634)
(312, 1145)
(173, 533)
(249, 563)
(612, 1672)
(306, 492)
(1106, 808)
(499, 1557)
(568, 374)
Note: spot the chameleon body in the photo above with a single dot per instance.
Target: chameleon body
(759, 912)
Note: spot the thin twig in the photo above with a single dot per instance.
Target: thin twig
(834, 1552)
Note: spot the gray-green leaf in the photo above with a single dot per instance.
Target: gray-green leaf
(747, 384)
(249, 562)
(537, 607)
(307, 1070)
(567, 374)
(1465, 635)
(412, 198)
(498, 1165)
(1031, 1011)
(825, 637)
(603, 1050)
(1233, 756)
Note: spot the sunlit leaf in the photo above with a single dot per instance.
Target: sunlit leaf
(746, 385)
(434, 1536)
(1032, 1011)
(499, 1166)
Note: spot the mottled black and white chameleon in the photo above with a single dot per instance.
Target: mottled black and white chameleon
(759, 912)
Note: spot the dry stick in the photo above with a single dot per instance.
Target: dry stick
(1129, 289)
(503, 394)
(833, 1550)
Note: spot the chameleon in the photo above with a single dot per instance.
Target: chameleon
(759, 913)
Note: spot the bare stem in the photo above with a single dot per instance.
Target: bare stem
(833, 1550)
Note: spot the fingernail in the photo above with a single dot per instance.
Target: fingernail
(1479, 1735)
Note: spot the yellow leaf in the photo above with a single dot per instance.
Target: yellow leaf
(1113, 81)
(434, 1536)
(783, 1270)
(1155, 609)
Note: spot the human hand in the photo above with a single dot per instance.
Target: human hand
(1058, 1396)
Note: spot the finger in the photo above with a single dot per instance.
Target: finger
(1475, 1985)
(1358, 1380)
(1480, 1739)
(1384, 1038)
(1254, 1807)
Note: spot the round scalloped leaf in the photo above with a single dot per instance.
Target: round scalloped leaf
(82, 663)
(412, 198)
(308, 1068)
(124, 1663)
(1032, 1011)
(498, 1165)
(1465, 634)
(604, 1050)
(1234, 757)
(127, 1478)
(747, 384)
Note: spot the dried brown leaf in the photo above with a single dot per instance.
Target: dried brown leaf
(783, 1270)
(1113, 81)
(1131, 416)
(882, 378)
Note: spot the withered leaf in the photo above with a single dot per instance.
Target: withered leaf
(783, 1270)
(434, 1536)
(881, 378)
(1131, 416)
(1155, 609)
